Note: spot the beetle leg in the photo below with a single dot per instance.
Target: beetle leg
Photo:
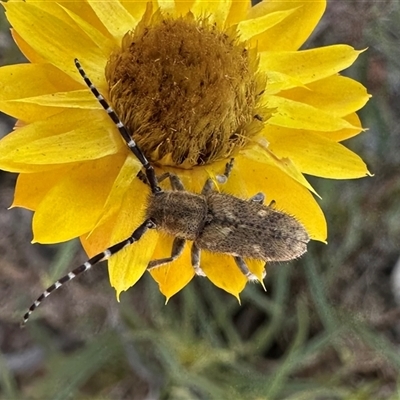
(177, 249)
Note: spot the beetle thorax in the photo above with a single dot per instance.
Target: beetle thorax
(179, 213)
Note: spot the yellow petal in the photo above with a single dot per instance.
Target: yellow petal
(29, 80)
(24, 168)
(74, 135)
(309, 65)
(104, 43)
(123, 181)
(114, 16)
(175, 276)
(344, 134)
(253, 28)
(223, 272)
(138, 8)
(74, 204)
(238, 12)
(97, 240)
(26, 50)
(235, 185)
(316, 155)
(80, 9)
(256, 267)
(336, 94)
(71, 99)
(276, 82)
(217, 10)
(128, 265)
(83, 9)
(53, 8)
(264, 155)
(166, 6)
(56, 41)
(294, 30)
(289, 195)
(30, 189)
(296, 115)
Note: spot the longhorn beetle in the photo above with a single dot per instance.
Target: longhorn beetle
(213, 221)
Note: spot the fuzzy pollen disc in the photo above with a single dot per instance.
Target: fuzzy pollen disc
(186, 90)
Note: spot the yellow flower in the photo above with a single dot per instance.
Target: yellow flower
(197, 83)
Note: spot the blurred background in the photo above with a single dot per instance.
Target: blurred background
(328, 326)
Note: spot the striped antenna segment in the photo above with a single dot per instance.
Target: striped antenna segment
(105, 255)
(151, 176)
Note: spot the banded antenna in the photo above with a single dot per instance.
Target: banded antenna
(138, 232)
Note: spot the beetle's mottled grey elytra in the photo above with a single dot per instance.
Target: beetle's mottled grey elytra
(222, 223)
(213, 221)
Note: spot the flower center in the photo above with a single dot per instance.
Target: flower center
(186, 91)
